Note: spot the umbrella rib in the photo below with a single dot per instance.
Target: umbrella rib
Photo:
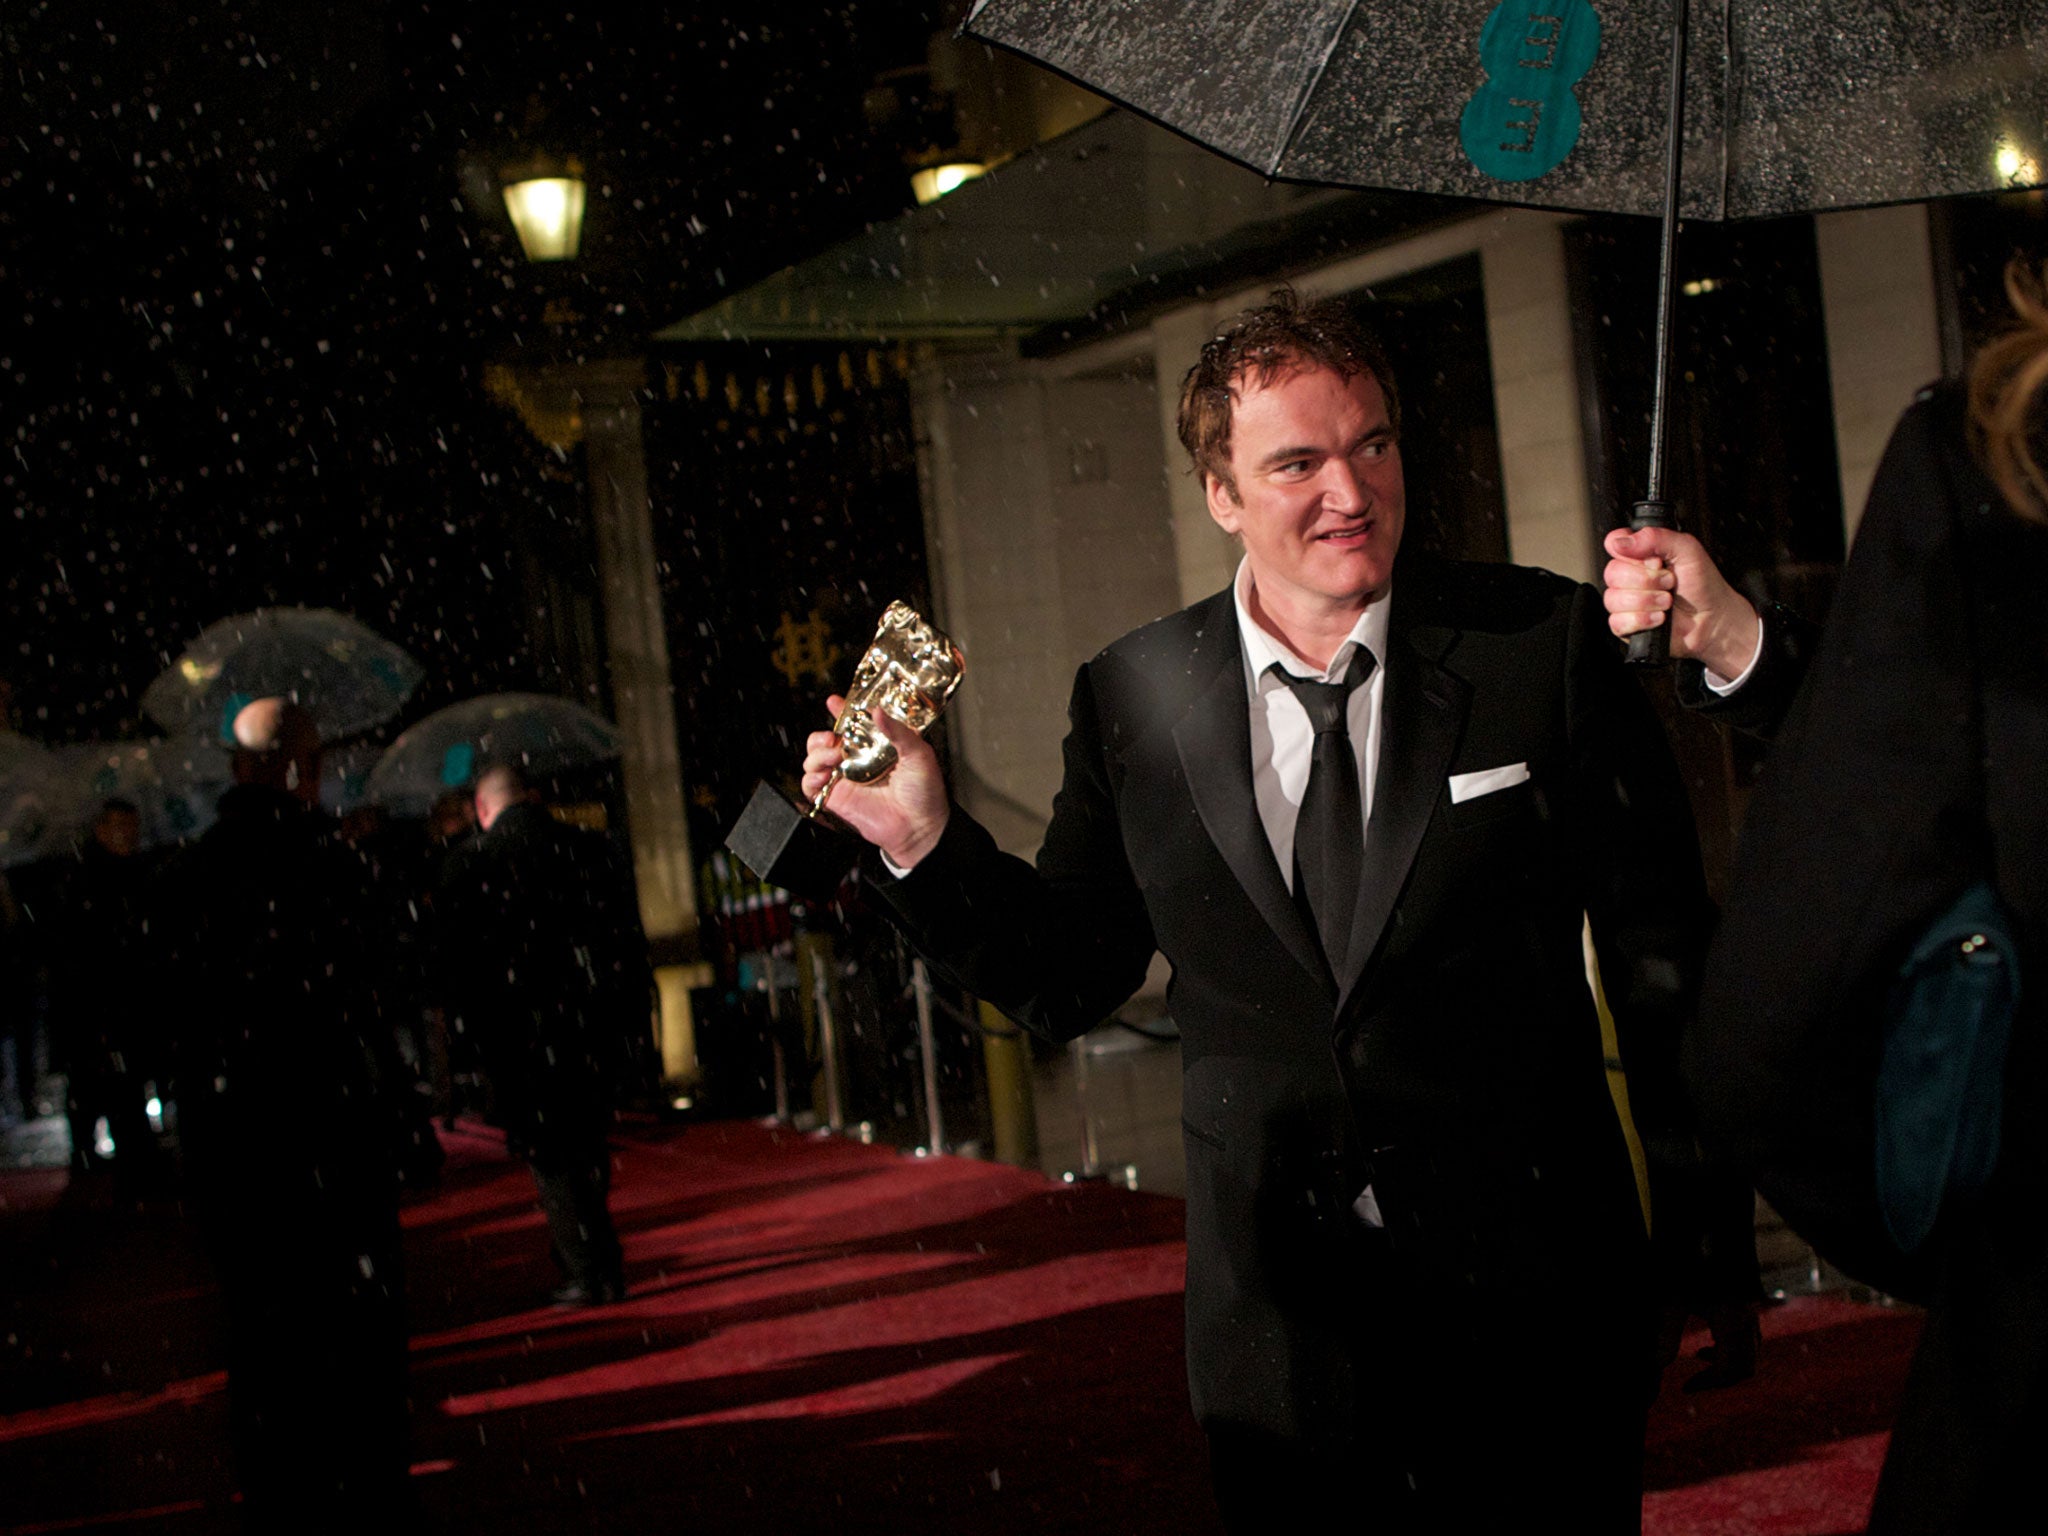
(1729, 114)
(1308, 89)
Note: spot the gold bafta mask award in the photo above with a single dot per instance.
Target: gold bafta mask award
(908, 672)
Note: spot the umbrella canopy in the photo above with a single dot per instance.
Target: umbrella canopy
(534, 731)
(49, 797)
(172, 783)
(1791, 105)
(39, 802)
(345, 773)
(349, 677)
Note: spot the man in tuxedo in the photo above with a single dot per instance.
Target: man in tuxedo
(1362, 800)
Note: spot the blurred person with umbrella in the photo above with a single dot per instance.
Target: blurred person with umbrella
(87, 816)
(285, 1072)
(547, 978)
(431, 771)
(173, 783)
(347, 677)
(51, 796)
(442, 754)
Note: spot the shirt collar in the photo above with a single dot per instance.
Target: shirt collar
(1261, 648)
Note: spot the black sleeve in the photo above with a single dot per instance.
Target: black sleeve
(1760, 705)
(1646, 894)
(1057, 948)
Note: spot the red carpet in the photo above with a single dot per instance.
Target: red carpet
(820, 1335)
(1795, 1451)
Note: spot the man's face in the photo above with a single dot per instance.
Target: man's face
(118, 832)
(1319, 502)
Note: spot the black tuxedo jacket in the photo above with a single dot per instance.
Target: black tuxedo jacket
(1457, 1066)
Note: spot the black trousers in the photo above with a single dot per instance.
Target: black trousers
(313, 1302)
(575, 1183)
(1472, 1414)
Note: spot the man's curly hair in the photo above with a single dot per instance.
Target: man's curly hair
(1284, 333)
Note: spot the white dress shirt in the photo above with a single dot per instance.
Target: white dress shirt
(1283, 740)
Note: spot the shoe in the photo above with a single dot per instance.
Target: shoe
(1731, 1358)
(602, 1293)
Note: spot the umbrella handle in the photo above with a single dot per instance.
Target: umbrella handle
(1651, 647)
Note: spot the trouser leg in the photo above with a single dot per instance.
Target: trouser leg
(573, 1193)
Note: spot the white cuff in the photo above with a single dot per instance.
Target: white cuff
(1725, 686)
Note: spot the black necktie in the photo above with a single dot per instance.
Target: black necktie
(1329, 838)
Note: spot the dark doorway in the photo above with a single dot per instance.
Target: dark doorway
(1751, 465)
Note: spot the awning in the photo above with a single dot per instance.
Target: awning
(1096, 229)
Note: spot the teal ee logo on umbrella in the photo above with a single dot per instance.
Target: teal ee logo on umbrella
(1525, 119)
(457, 764)
(234, 705)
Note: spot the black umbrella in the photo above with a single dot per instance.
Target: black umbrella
(1794, 106)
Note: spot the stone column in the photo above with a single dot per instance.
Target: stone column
(598, 405)
(1884, 331)
(1551, 519)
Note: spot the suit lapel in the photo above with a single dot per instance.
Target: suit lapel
(1422, 718)
(1215, 746)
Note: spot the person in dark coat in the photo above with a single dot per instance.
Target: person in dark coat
(545, 966)
(391, 869)
(1909, 769)
(107, 1036)
(1404, 1167)
(288, 1139)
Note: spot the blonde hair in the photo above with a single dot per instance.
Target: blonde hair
(2007, 378)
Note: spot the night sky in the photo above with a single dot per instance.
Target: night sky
(254, 266)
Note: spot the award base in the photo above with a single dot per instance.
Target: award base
(805, 855)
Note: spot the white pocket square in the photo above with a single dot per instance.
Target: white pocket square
(1470, 786)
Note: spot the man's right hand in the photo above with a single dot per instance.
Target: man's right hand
(904, 813)
(1661, 576)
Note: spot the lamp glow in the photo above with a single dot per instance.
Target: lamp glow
(547, 211)
(935, 181)
(2015, 167)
